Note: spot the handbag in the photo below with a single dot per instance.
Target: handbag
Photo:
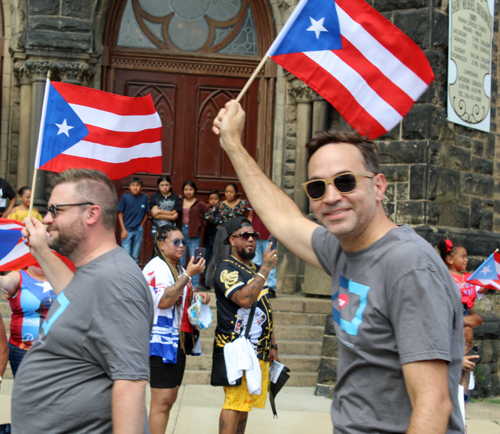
(219, 371)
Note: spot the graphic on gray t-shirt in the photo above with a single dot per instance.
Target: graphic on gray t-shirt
(393, 303)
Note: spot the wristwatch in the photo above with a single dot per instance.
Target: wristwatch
(275, 347)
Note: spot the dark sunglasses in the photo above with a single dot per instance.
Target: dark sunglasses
(344, 183)
(178, 241)
(52, 209)
(246, 235)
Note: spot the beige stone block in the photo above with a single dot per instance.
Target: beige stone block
(316, 282)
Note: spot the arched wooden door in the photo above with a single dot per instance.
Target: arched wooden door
(193, 58)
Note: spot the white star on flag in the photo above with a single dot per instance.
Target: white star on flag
(317, 26)
(64, 128)
(45, 285)
(486, 270)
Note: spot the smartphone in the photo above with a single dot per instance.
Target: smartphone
(476, 350)
(199, 253)
(273, 242)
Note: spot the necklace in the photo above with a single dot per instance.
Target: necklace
(458, 281)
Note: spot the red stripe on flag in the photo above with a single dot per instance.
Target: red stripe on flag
(122, 139)
(333, 91)
(97, 99)
(113, 170)
(384, 87)
(19, 263)
(392, 38)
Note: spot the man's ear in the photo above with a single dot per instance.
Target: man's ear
(380, 185)
(94, 214)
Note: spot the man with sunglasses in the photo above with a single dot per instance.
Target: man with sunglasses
(238, 286)
(88, 369)
(396, 310)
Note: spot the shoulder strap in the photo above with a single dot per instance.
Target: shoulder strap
(250, 319)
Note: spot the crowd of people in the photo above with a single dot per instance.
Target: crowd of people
(85, 343)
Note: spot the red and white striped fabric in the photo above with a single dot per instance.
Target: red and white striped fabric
(377, 76)
(124, 133)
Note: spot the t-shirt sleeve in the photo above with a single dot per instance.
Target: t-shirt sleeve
(162, 280)
(228, 280)
(8, 191)
(326, 248)
(177, 204)
(121, 335)
(422, 316)
(121, 204)
(153, 201)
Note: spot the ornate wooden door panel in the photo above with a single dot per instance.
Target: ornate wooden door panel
(205, 162)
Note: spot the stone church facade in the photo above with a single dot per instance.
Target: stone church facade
(444, 179)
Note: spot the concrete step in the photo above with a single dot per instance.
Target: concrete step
(300, 304)
(297, 379)
(296, 363)
(301, 333)
(299, 319)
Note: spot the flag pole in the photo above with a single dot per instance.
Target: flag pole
(252, 78)
(35, 172)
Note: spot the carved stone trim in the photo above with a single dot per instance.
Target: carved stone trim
(300, 92)
(39, 68)
(185, 67)
(21, 74)
(76, 73)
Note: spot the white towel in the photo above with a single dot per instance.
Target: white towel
(240, 357)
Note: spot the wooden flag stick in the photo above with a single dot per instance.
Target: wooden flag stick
(252, 78)
(35, 172)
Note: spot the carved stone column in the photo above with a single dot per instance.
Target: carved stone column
(38, 70)
(303, 95)
(23, 78)
(320, 113)
(75, 73)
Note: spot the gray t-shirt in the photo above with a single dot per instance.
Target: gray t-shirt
(393, 303)
(96, 331)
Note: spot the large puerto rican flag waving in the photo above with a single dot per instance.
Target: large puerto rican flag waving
(89, 129)
(369, 70)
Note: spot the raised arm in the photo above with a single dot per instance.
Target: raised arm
(278, 212)
(56, 271)
(249, 294)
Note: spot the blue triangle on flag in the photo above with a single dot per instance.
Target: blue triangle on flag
(63, 128)
(10, 238)
(487, 271)
(315, 29)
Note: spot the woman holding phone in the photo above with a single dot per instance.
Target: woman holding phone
(193, 212)
(172, 337)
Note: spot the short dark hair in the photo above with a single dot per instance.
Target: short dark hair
(23, 189)
(92, 186)
(368, 148)
(191, 184)
(138, 180)
(234, 186)
(164, 178)
(214, 192)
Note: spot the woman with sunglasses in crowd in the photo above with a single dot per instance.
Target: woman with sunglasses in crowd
(231, 207)
(165, 205)
(30, 296)
(21, 212)
(193, 212)
(172, 337)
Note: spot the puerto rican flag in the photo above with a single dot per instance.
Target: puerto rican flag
(369, 70)
(488, 273)
(14, 254)
(89, 129)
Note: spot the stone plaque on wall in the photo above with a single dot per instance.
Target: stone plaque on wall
(469, 63)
